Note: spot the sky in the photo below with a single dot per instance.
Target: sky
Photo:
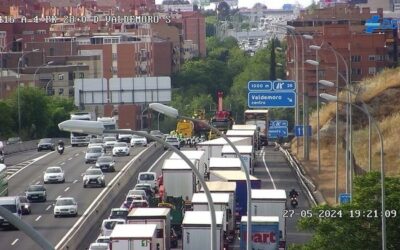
(273, 4)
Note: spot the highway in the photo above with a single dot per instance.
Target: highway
(42, 219)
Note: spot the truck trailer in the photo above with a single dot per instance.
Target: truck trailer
(265, 232)
(133, 236)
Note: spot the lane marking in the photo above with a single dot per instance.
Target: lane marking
(37, 182)
(70, 158)
(62, 163)
(75, 181)
(58, 197)
(266, 167)
(48, 207)
(76, 154)
(32, 161)
(65, 190)
(38, 218)
(15, 241)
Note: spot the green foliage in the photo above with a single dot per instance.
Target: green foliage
(351, 231)
(6, 121)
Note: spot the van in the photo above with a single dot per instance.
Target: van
(148, 178)
(12, 204)
(108, 225)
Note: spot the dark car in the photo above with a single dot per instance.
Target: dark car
(46, 144)
(119, 213)
(25, 205)
(105, 163)
(36, 193)
(13, 140)
(157, 133)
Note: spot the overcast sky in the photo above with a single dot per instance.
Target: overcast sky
(273, 4)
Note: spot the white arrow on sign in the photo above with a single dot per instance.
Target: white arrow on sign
(290, 99)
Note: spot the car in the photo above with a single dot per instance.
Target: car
(173, 141)
(46, 144)
(119, 213)
(106, 163)
(121, 148)
(103, 239)
(94, 177)
(93, 153)
(138, 203)
(99, 246)
(138, 192)
(25, 205)
(158, 134)
(54, 174)
(138, 140)
(96, 141)
(148, 177)
(36, 193)
(108, 225)
(13, 140)
(109, 141)
(125, 137)
(145, 187)
(65, 206)
(130, 198)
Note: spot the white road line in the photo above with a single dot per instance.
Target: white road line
(65, 190)
(31, 162)
(37, 182)
(266, 167)
(156, 162)
(62, 163)
(76, 154)
(38, 218)
(75, 181)
(70, 158)
(58, 197)
(48, 207)
(15, 241)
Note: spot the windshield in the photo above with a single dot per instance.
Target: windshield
(93, 172)
(121, 144)
(79, 134)
(111, 224)
(109, 139)
(94, 150)
(104, 159)
(137, 136)
(96, 140)
(53, 170)
(171, 139)
(46, 140)
(65, 202)
(119, 214)
(147, 177)
(35, 188)
(10, 207)
(103, 240)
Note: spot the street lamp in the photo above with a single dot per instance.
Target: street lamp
(172, 112)
(316, 64)
(97, 128)
(20, 60)
(41, 66)
(364, 109)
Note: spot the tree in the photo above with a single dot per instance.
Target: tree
(359, 226)
(6, 120)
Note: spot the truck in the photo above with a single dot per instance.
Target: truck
(133, 236)
(12, 204)
(196, 227)
(258, 117)
(251, 134)
(265, 232)
(109, 123)
(239, 178)
(222, 119)
(81, 138)
(223, 163)
(271, 202)
(246, 153)
(157, 216)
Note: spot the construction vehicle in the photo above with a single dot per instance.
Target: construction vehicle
(222, 119)
(185, 128)
(200, 130)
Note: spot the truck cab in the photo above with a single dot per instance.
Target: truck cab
(12, 204)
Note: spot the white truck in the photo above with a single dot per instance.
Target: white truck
(251, 134)
(223, 163)
(12, 204)
(270, 202)
(133, 236)
(246, 153)
(81, 138)
(109, 123)
(178, 178)
(157, 216)
(199, 156)
(196, 228)
(222, 202)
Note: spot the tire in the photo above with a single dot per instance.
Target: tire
(55, 216)
(84, 186)
(45, 182)
(63, 181)
(38, 149)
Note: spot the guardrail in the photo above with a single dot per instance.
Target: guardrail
(314, 195)
(99, 206)
(27, 145)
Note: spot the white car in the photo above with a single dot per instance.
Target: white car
(54, 174)
(99, 246)
(109, 142)
(149, 178)
(173, 141)
(138, 140)
(65, 206)
(94, 177)
(121, 148)
(93, 153)
(108, 225)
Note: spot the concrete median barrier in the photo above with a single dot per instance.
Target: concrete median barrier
(27, 145)
(99, 206)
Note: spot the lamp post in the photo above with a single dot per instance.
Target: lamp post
(41, 66)
(172, 112)
(364, 109)
(97, 128)
(316, 64)
(20, 60)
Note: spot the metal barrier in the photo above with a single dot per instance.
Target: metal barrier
(27, 145)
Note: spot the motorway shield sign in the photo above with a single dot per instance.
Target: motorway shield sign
(278, 123)
(277, 132)
(284, 85)
(259, 85)
(284, 99)
(299, 131)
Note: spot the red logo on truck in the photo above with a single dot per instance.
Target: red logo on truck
(263, 237)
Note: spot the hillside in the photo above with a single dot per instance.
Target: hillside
(382, 94)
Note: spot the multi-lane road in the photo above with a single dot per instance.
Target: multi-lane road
(271, 167)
